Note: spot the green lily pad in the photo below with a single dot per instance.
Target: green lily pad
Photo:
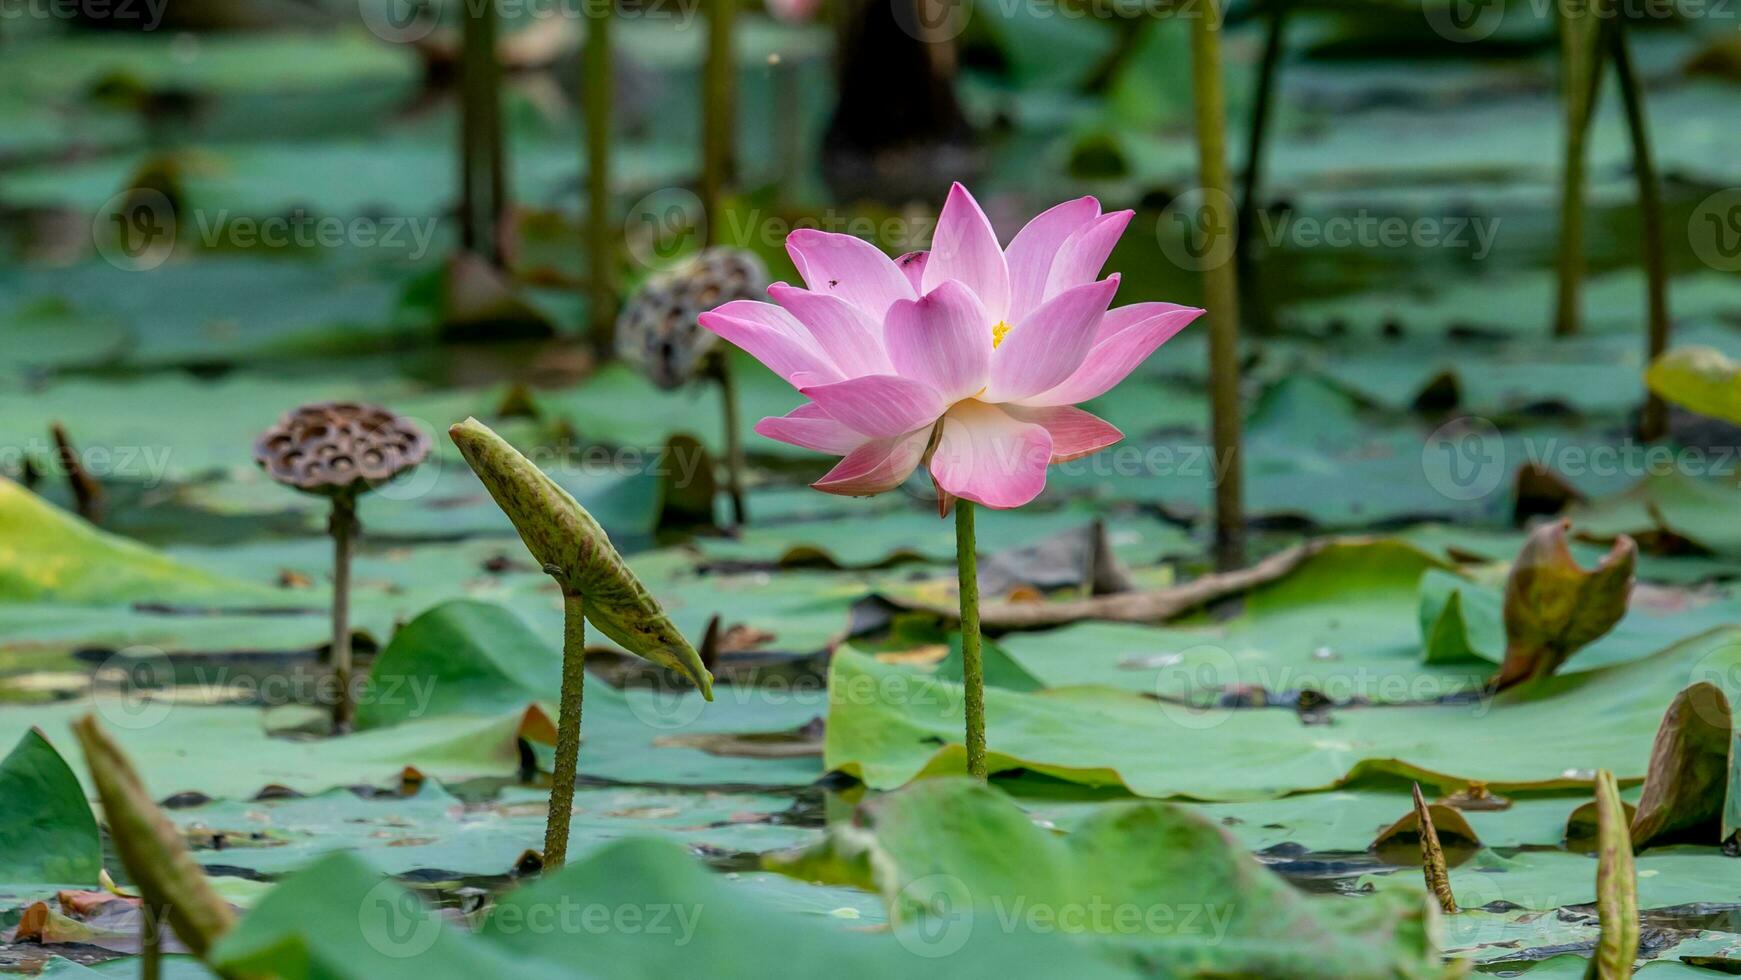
(51, 836)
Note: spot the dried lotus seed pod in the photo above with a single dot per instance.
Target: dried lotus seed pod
(657, 329)
(334, 448)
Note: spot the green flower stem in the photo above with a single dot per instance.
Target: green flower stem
(344, 528)
(1653, 422)
(482, 183)
(567, 732)
(734, 446)
(1220, 284)
(972, 664)
(596, 89)
(717, 100)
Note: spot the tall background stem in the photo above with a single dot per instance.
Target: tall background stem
(1578, 80)
(567, 732)
(600, 244)
(972, 663)
(1653, 421)
(718, 100)
(1220, 284)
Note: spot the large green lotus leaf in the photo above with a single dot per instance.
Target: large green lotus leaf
(1344, 624)
(1516, 304)
(51, 836)
(1344, 820)
(49, 555)
(630, 736)
(227, 309)
(959, 841)
(1698, 509)
(1311, 454)
(460, 657)
(1592, 375)
(1104, 737)
(433, 830)
(339, 920)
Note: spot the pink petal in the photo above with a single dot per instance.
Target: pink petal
(879, 405)
(810, 427)
(1119, 318)
(1115, 357)
(848, 267)
(1083, 254)
(912, 265)
(845, 332)
(772, 336)
(1050, 343)
(1031, 252)
(942, 339)
(1075, 433)
(876, 466)
(965, 248)
(985, 456)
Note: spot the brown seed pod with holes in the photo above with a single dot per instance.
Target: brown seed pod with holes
(337, 448)
(657, 329)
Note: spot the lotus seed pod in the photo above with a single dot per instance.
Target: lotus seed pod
(657, 329)
(334, 448)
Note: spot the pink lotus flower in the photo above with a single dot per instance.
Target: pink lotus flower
(969, 357)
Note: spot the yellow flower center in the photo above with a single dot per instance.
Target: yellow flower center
(998, 333)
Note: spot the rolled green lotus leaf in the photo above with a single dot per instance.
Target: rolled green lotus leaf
(575, 550)
(153, 850)
(1616, 887)
(1699, 379)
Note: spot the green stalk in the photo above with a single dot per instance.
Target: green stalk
(482, 181)
(734, 446)
(1220, 286)
(972, 664)
(1653, 422)
(718, 98)
(344, 528)
(599, 241)
(1257, 140)
(1578, 80)
(567, 732)
(150, 943)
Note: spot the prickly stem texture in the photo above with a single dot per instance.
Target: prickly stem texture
(567, 731)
